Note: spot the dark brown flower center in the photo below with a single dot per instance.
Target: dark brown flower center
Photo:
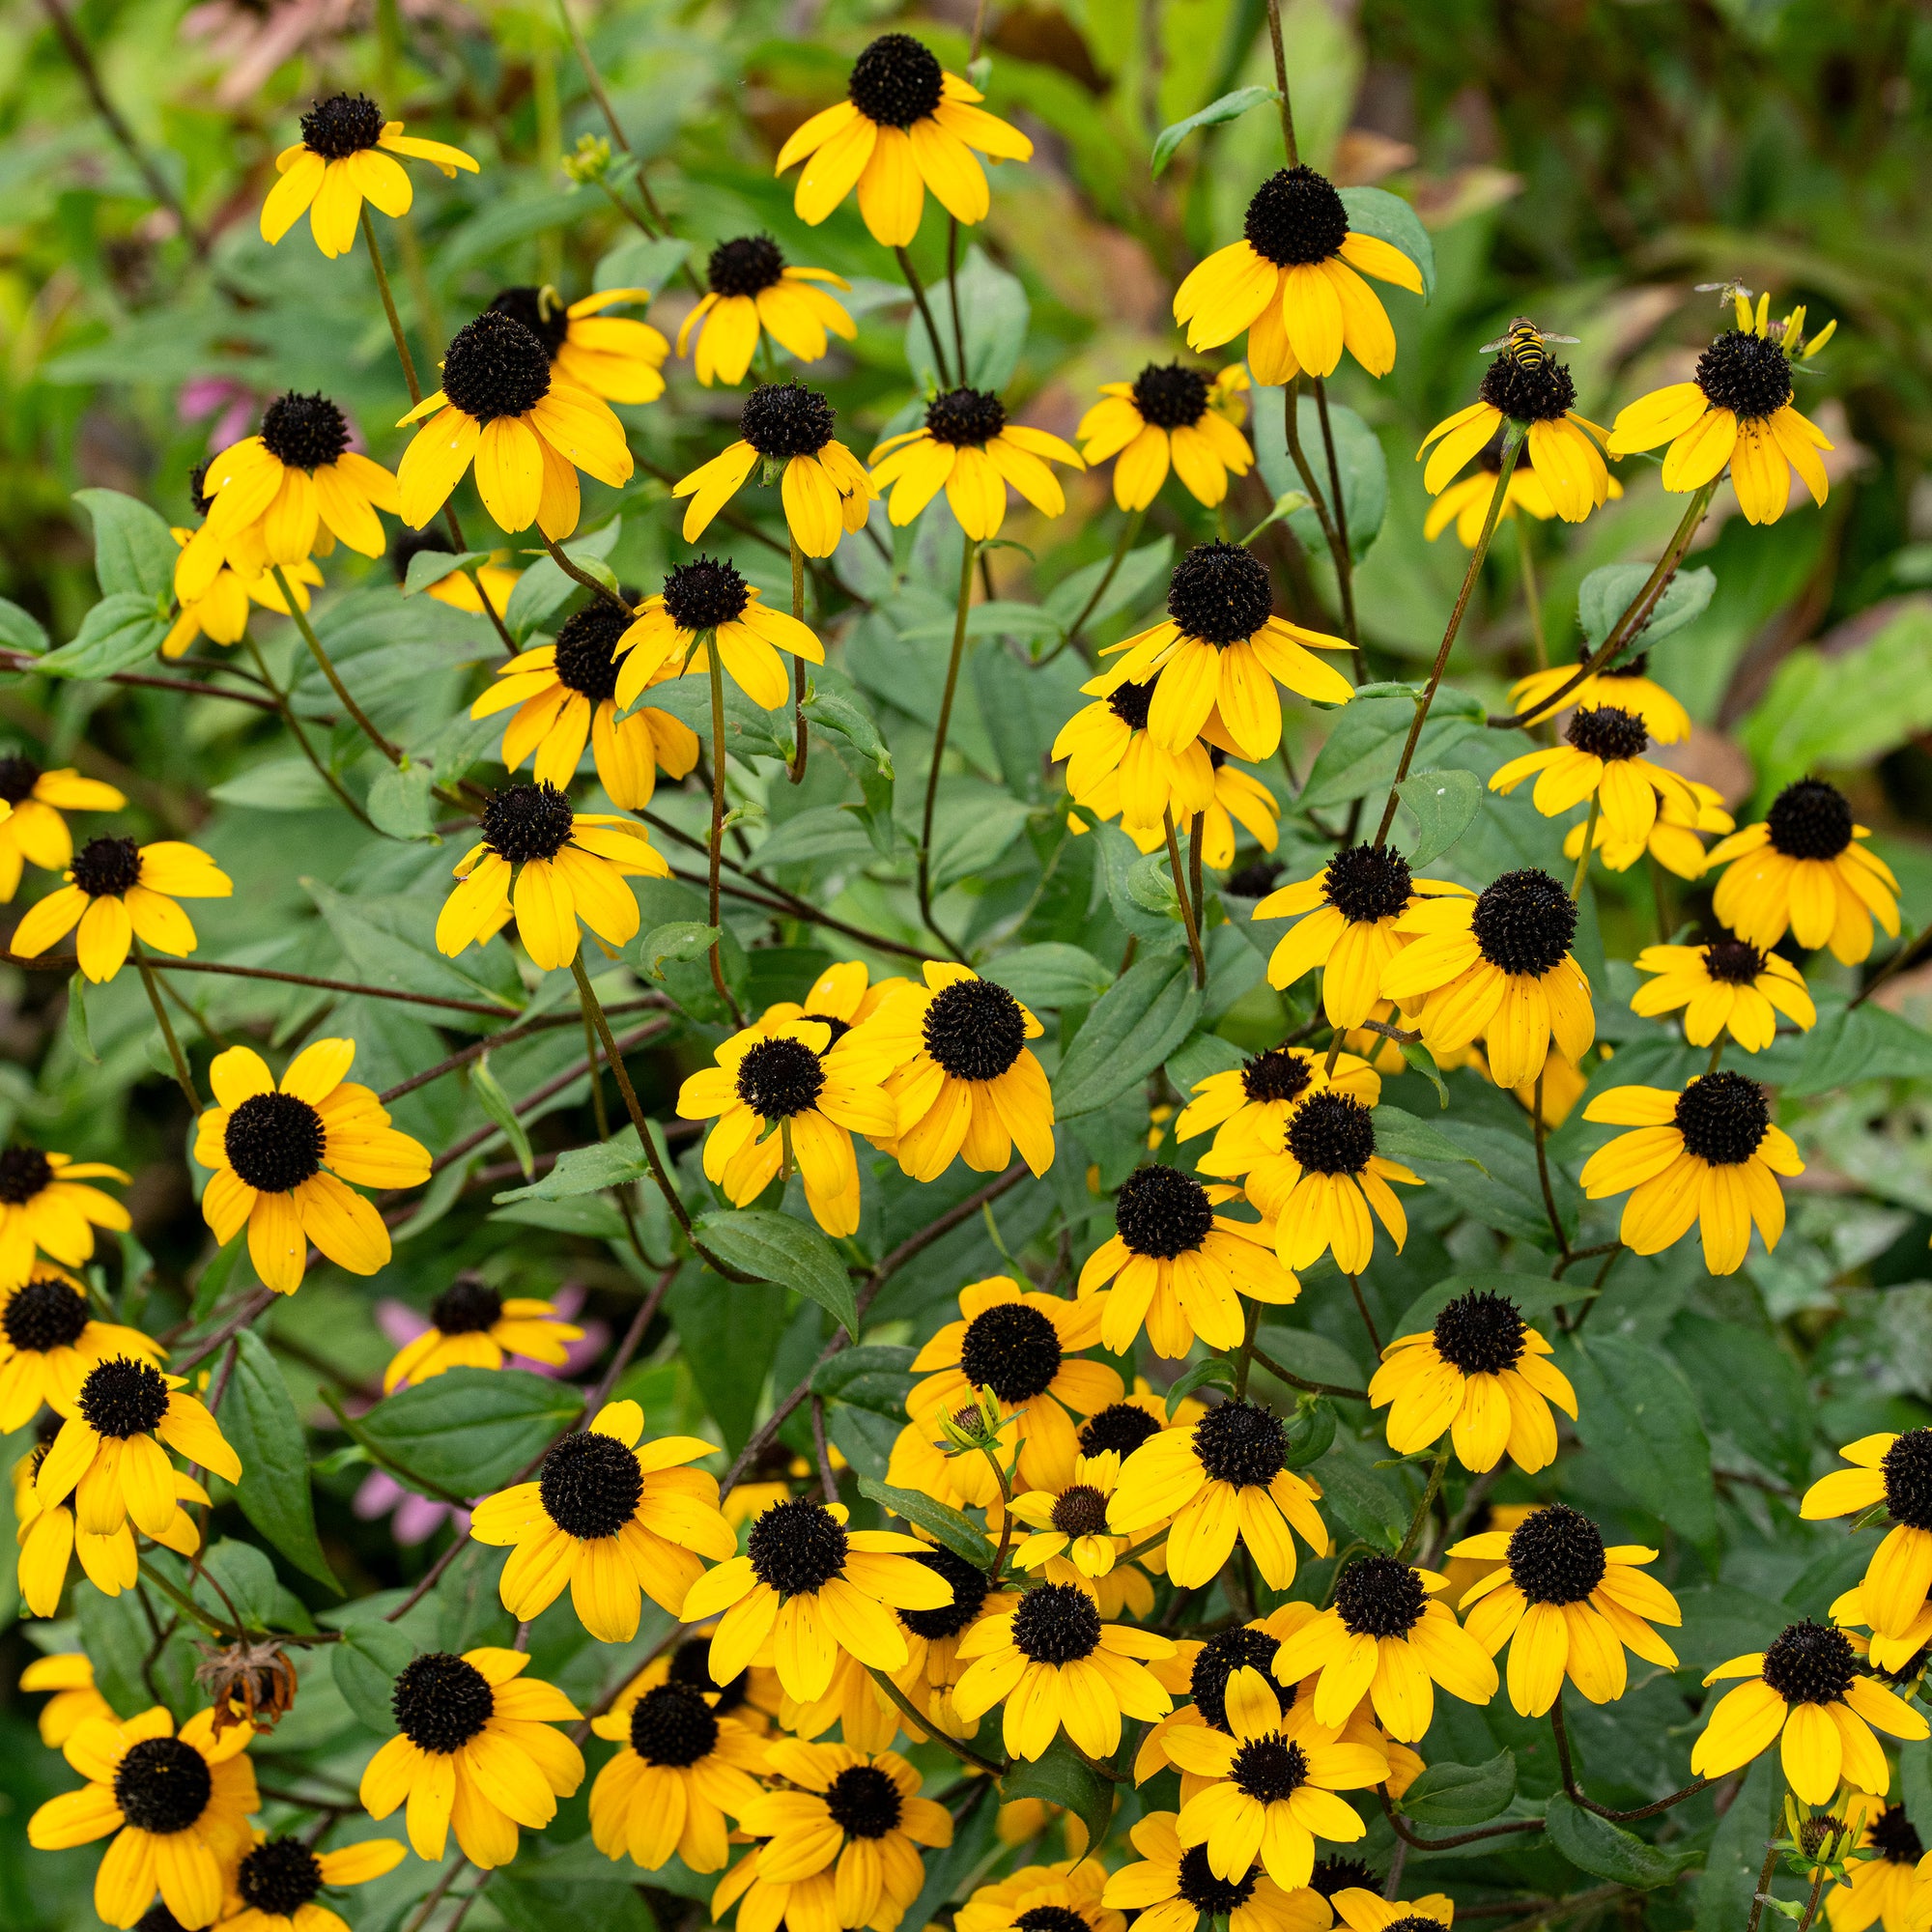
(704, 593)
(969, 1586)
(965, 418)
(591, 1485)
(24, 1172)
(467, 1306)
(780, 1078)
(104, 869)
(796, 1546)
(122, 1397)
(280, 1877)
(1057, 1622)
(975, 1029)
(1170, 395)
(896, 81)
(441, 1701)
(496, 367)
(527, 821)
(1330, 1133)
(1012, 1350)
(1809, 819)
(275, 1142)
(864, 1801)
(1242, 1443)
(542, 311)
(343, 125)
(1525, 922)
(1733, 962)
(1296, 218)
(1810, 1663)
(1604, 731)
(1556, 1555)
(1481, 1334)
(1723, 1118)
(1219, 593)
(1242, 1648)
(671, 1724)
(1080, 1511)
(304, 432)
(1907, 1479)
(1541, 394)
(1746, 374)
(162, 1785)
(45, 1313)
(744, 267)
(1379, 1597)
(1119, 1427)
(1366, 883)
(781, 420)
(1162, 1212)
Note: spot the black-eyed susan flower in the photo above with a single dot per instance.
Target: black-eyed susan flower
(1172, 1887)
(1222, 1480)
(1709, 1157)
(933, 1666)
(44, 1205)
(682, 1770)
(906, 126)
(1482, 1372)
(784, 433)
(1114, 768)
(1809, 1695)
(493, 580)
(1295, 283)
(1069, 1540)
(565, 695)
(472, 1327)
(1357, 1903)
(294, 489)
(117, 892)
(178, 1805)
(1178, 1267)
(1020, 1349)
(554, 867)
(751, 1698)
(764, 1905)
(1802, 869)
(1736, 410)
(1896, 1472)
(1269, 1796)
(1388, 1636)
(283, 1155)
(1496, 965)
(610, 1518)
(786, 1090)
(48, 1341)
(1627, 686)
(968, 449)
(1170, 416)
(1053, 1663)
(528, 428)
(473, 1750)
(221, 612)
(749, 289)
(34, 830)
(1602, 760)
(611, 355)
(813, 1588)
(1683, 813)
(1351, 907)
(1881, 1884)
(858, 1815)
(843, 996)
(855, 1701)
(1466, 503)
(278, 1886)
(68, 1676)
(1536, 401)
(967, 1083)
(1240, 799)
(706, 606)
(1465, 1571)
(1319, 1182)
(1221, 650)
(342, 159)
(1728, 985)
(1252, 1103)
(1567, 1607)
(1072, 1886)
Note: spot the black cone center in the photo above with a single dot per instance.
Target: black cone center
(467, 1306)
(969, 1586)
(1057, 1622)
(1606, 732)
(304, 432)
(672, 1724)
(1279, 1075)
(1810, 820)
(1556, 1555)
(1296, 218)
(796, 1547)
(1080, 1511)
(1907, 1479)
(1481, 1334)
(1525, 922)
(1541, 394)
(1723, 1118)
(496, 367)
(1130, 702)
(780, 1078)
(704, 593)
(896, 81)
(122, 1397)
(1242, 1648)
(965, 418)
(342, 125)
(1332, 1134)
(1119, 1427)
(1746, 374)
(1268, 1770)
(1379, 1597)
(1217, 1897)
(1220, 593)
(104, 869)
(23, 1173)
(280, 1877)
(591, 1485)
(744, 267)
(19, 776)
(1012, 1350)
(1733, 962)
(162, 1785)
(1162, 1212)
(275, 1142)
(542, 311)
(1242, 1443)
(1810, 1663)
(47, 1313)
(975, 1029)
(527, 821)
(441, 1701)
(1170, 396)
(781, 420)
(1366, 883)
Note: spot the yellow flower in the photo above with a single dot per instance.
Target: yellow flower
(1894, 1471)
(565, 867)
(472, 1749)
(1807, 1689)
(282, 1156)
(70, 1676)
(818, 1589)
(967, 1083)
(1171, 1888)
(472, 1326)
(177, 1804)
(1737, 410)
(933, 1668)
(749, 1699)
(221, 610)
(1709, 1155)
(1220, 651)
(705, 604)
(496, 582)
(1170, 416)
(117, 892)
(1467, 504)
(1114, 768)
(1627, 687)
(1389, 1636)
(49, 1340)
(784, 433)
(44, 1205)
(1800, 868)
(1238, 797)
(1537, 399)
(1567, 1607)
(528, 428)
(1464, 1571)
(1361, 1908)
(293, 490)
(1882, 1885)
(1292, 282)
(34, 829)
(1728, 985)
(906, 125)
(1672, 841)
(1073, 1887)
(1603, 759)
(275, 1887)
(1482, 1374)
(1070, 1540)
(681, 1769)
(967, 447)
(1252, 1105)
(613, 357)
(1179, 1268)
(783, 1090)
(1052, 1663)
(1498, 966)
(336, 166)
(802, 1905)
(749, 289)
(867, 1719)
(1223, 1479)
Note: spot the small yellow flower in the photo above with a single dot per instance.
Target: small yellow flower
(1726, 986)
(472, 1326)
(276, 1888)
(1603, 759)
(44, 1205)
(611, 356)
(116, 891)
(33, 829)
(1170, 416)
(748, 288)
(48, 1341)
(968, 449)
(707, 605)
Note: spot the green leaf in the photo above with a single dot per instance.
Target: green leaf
(1457, 1795)
(261, 1424)
(1373, 211)
(215, 1276)
(1134, 1025)
(855, 725)
(399, 800)
(1728, 1882)
(1358, 456)
(1050, 975)
(1230, 107)
(1363, 1501)
(728, 1334)
(1915, 1784)
(78, 1034)
(20, 630)
(638, 262)
(134, 548)
(1851, 1043)
(119, 632)
(1442, 804)
(1058, 1776)
(586, 1169)
(1606, 594)
(1364, 745)
(1595, 1845)
(497, 1104)
(1401, 1136)
(877, 1378)
(1141, 571)
(794, 1254)
(536, 1902)
(391, 942)
(543, 589)
(1214, 1370)
(428, 567)
(679, 939)
(470, 1430)
(993, 317)
(1419, 1058)
(939, 1519)
(365, 1666)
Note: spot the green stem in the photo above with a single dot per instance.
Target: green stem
(1531, 596)
(1244, 1357)
(328, 670)
(1542, 1133)
(1338, 550)
(1187, 903)
(927, 1728)
(1429, 1491)
(969, 546)
(918, 289)
(1659, 892)
(308, 751)
(717, 841)
(389, 307)
(1583, 857)
(575, 571)
(184, 1079)
(1281, 83)
(1129, 531)
(801, 739)
(1344, 556)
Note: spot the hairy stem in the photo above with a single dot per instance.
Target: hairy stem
(944, 725)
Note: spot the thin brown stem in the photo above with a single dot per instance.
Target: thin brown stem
(1197, 837)
(717, 847)
(1293, 1380)
(924, 1727)
(1290, 418)
(1532, 598)
(932, 336)
(184, 1079)
(1368, 1319)
(576, 573)
(279, 703)
(940, 730)
(328, 670)
(1763, 1891)
(1344, 556)
(1576, 1794)
(1540, 1128)
(828, 1478)
(1281, 84)
(403, 354)
(1199, 958)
